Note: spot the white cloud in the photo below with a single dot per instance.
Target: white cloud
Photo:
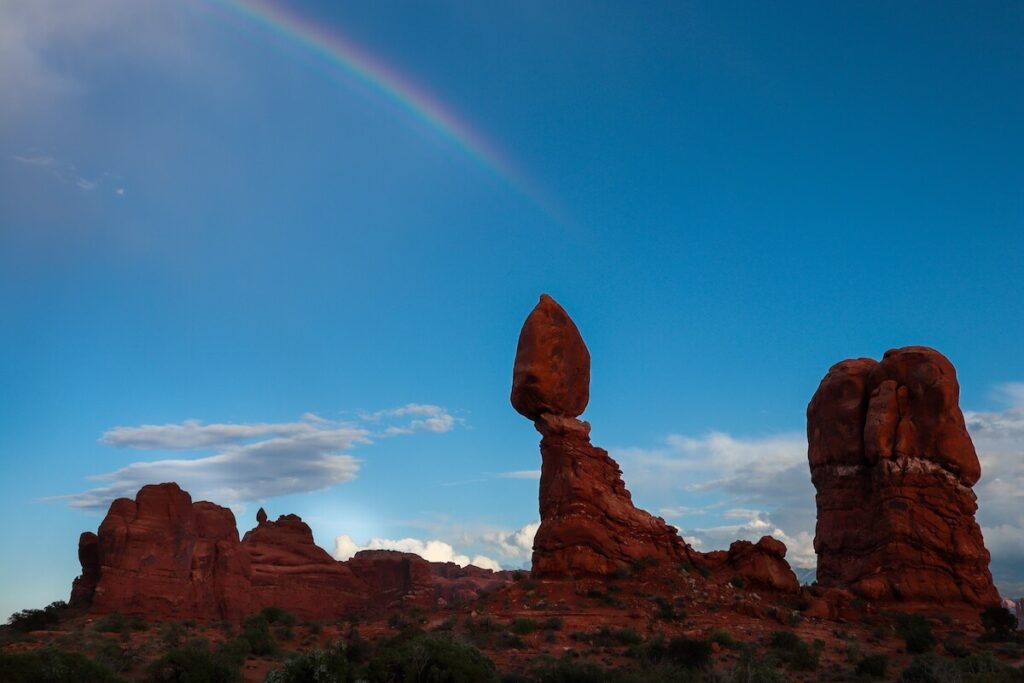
(46, 46)
(702, 484)
(431, 550)
(520, 474)
(425, 418)
(1011, 393)
(254, 460)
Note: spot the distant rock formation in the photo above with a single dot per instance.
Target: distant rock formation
(893, 466)
(589, 526)
(161, 556)
(290, 570)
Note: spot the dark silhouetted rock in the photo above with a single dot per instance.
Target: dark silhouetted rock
(893, 466)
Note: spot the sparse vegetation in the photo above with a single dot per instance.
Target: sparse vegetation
(916, 632)
(330, 665)
(796, 653)
(48, 665)
(872, 666)
(37, 619)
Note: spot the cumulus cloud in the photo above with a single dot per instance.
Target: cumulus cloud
(416, 417)
(253, 461)
(718, 488)
(431, 550)
(999, 438)
(704, 484)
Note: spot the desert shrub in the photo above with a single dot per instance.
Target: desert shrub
(234, 651)
(955, 646)
(192, 665)
(53, 666)
(421, 656)
(171, 634)
(552, 624)
(872, 665)
(313, 627)
(916, 632)
(796, 653)
(738, 581)
(284, 633)
(37, 619)
(689, 654)
(276, 615)
(723, 638)
(998, 623)
(752, 668)
(976, 668)
(523, 626)
(256, 630)
(666, 610)
(115, 622)
(608, 637)
(109, 653)
(329, 665)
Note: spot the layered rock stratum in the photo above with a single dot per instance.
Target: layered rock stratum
(894, 467)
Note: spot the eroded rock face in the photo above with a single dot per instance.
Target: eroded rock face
(588, 523)
(893, 466)
(760, 565)
(289, 570)
(163, 556)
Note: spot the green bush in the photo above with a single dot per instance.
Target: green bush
(917, 632)
(752, 668)
(796, 653)
(605, 636)
(53, 666)
(276, 615)
(256, 630)
(192, 665)
(689, 654)
(552, 624)
(976, 668)
(873, 666)
(998, 622)
(37, 619)
(421, 656)
(171, 634)
(523, 626)
(115, 622)
(234, 651)
(723, 638)
(314, 666)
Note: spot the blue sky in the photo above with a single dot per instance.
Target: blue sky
(203, 223)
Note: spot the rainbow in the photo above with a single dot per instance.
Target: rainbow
(339, 52)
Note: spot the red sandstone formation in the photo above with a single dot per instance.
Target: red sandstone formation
(761, 564)
(893, 466)
(161, 555)
(589, 525)
(289, 570)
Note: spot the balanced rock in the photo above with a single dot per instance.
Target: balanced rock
(588, 523)
(760, 565)
(552, 368)
(163, 556)
(893, 466)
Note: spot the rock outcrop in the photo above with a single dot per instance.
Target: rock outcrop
(291, 571)
(588, 523)
(893, 466)
(163, 556)
(759, 565)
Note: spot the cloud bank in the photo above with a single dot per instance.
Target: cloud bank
(253, 461)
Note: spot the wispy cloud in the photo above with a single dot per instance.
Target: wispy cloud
(68, 173)
(520, 474)
(253, 461)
